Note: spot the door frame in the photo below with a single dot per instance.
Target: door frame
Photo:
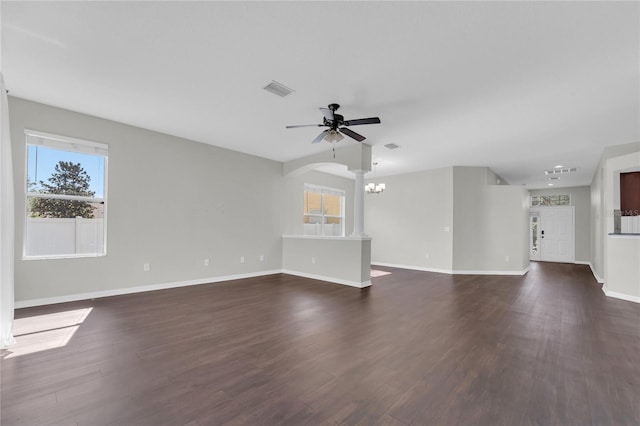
(572, 245)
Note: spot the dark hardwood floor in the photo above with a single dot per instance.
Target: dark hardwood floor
(417, 348)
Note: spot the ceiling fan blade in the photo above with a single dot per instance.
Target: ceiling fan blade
(352, 134)
(328, 114)
(358, 121)
(304, 125)
(321, 136)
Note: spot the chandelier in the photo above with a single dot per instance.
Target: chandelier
(374, 188)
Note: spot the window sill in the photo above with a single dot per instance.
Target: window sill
(63, 256)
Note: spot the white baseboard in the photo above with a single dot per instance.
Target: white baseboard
(621, 296)
(164, 286)
(599, 279)
(450, 271)
(519, 273)
(328, 279)
(413, 268)
(137, 289)
(593, 271)
(608, 293)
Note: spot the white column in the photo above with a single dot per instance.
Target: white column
(358, 205)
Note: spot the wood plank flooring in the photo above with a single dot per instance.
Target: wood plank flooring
(416, 348)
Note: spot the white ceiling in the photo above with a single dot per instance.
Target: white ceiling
(516, 86)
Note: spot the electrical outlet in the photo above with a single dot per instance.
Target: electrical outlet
(447, 229)
(262, 258)
(506, 258)
(146, 267)
(427, 256)
(206, 262)
(241, 259)
(313, 260)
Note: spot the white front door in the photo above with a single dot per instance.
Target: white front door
(556, 234)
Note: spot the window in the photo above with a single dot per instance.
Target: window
(323, 211)
(66, 201)
(550, 200)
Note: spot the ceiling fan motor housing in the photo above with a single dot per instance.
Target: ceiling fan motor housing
(338, 120)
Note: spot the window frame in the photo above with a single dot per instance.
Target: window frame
(325, 190)
(69, 144)
(539, 199)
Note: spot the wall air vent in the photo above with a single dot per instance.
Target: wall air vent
(560, 171)
(278, 89)
(391, 146)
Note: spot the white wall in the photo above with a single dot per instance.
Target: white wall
(407, 221)
(621, 255)
(599, 214)
(171, 203)
(351, 156)
(490, 231)
(623, 267)
(581, 199)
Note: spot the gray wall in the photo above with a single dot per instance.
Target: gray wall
(581, 199)
(495, 179)
(407, 221)
(171, 203)
(597, 223)
(456, 215)
(490, 223)
(341, 260)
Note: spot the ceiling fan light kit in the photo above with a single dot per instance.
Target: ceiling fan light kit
(333, 136)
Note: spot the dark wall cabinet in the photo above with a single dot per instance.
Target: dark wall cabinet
(630, 194)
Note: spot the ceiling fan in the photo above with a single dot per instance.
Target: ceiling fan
(337, 124)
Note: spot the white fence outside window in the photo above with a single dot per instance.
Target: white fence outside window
(52, 237)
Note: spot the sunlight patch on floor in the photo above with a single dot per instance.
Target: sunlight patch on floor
(43, 332)
(379, 273)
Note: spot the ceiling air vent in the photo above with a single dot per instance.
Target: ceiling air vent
(278, 89)
(560, 171)
(391, 146)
